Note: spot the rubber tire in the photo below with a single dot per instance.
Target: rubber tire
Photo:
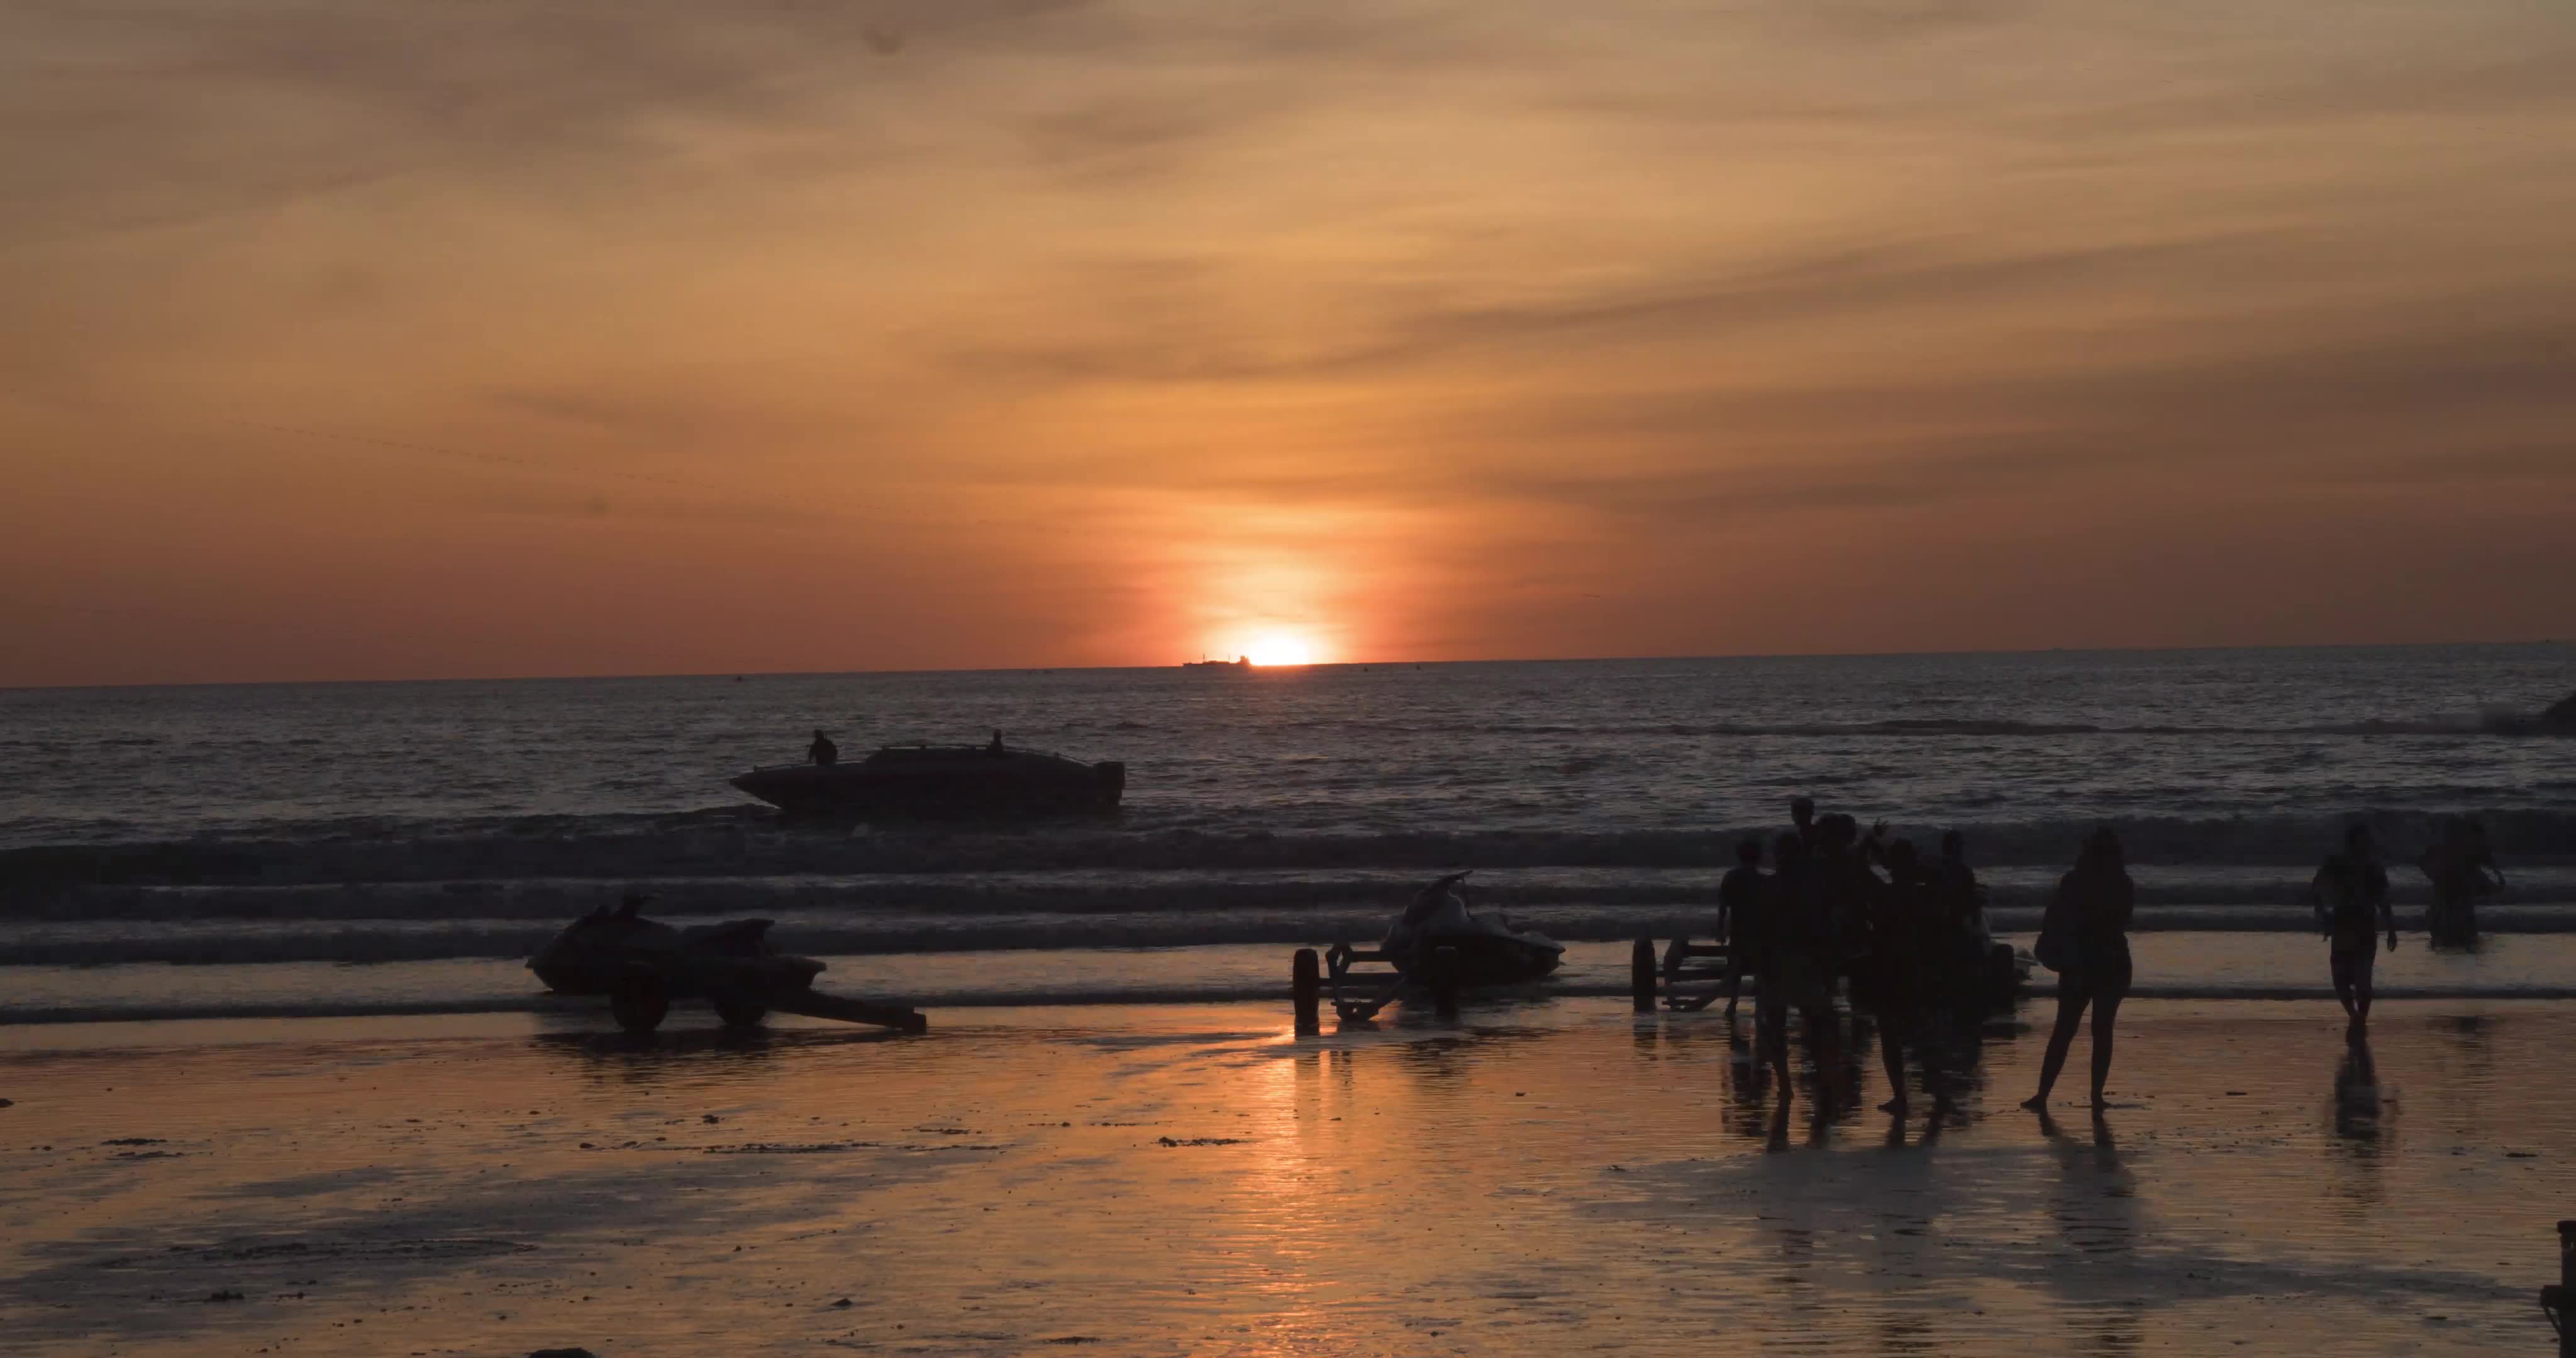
(740, 1013)
(639, 1006)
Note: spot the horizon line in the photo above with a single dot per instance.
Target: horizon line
(1318, 665)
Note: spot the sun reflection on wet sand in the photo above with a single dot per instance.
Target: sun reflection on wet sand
(1534, 1179)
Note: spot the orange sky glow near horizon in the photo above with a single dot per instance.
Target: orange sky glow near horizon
(378, 341)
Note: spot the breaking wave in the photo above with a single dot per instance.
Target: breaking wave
(384, 941)
(733, 842)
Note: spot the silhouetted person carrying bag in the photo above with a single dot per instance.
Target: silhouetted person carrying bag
(2084, 938)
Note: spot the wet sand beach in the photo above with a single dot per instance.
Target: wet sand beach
(1545, 1178)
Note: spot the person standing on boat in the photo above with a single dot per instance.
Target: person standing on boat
(1740, 925)
(2085, 938)
(823, 752)
(2350, 893)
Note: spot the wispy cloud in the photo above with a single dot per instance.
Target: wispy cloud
(1069, 299)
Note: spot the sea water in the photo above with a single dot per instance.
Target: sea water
(186, 849)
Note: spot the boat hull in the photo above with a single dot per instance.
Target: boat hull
(959, 783)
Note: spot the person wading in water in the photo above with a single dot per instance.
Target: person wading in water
(2085, 937)
(2461, 866)
(2350, 893)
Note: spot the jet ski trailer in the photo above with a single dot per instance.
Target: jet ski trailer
(1436, 946)
(643, 965)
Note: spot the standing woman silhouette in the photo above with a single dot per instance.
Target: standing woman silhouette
(2093, 906)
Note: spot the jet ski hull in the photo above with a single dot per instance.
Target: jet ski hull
(1484, 959)
(600, 955)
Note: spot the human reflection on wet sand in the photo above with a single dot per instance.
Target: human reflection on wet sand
(2357, 1097)
(2360, 1126)
(1838, 1093)
(2095, 1205)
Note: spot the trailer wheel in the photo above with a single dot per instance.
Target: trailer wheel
(639, 1006)
(741, 1013)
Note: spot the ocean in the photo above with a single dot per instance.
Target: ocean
(353, 848)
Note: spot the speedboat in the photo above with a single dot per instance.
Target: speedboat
(942, 782)
(1489, 950)
(2559, 719)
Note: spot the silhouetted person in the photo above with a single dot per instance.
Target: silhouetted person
(996, 746)
(1796, 966)
(1839, 860)
(1957, 884)
(1960, 903)
(1740, 923)
(2350, 893)
(2461, 866)
(2093, 904)
(823, 752)
(1900, 971)
(1802, 815)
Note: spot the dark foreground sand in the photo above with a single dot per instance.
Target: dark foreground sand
(1551, 1179)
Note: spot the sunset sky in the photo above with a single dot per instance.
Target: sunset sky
(355, 339)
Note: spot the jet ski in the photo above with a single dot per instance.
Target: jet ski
(642, 965)
(942, 782)
(1490, 951)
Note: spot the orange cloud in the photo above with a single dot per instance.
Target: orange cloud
(367, 340)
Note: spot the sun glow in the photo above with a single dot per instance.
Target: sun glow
(1280, 648)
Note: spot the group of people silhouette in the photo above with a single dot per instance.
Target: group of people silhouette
(1910, 937)
(1908, 933)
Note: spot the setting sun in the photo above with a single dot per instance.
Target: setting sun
(1280, 649)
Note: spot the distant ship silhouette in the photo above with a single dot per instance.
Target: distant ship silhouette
(1238, 663)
